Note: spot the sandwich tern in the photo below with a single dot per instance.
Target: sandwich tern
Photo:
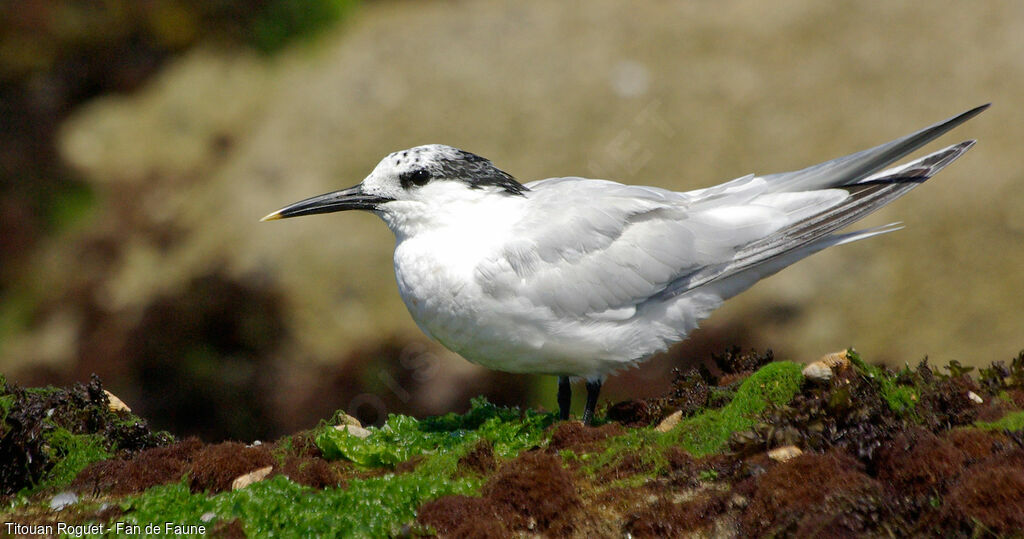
(577, 277)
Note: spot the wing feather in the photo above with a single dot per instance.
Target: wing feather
(598, 249)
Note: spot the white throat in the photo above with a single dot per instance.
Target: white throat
(453, 213)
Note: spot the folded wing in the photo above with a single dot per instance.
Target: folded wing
(600, 250)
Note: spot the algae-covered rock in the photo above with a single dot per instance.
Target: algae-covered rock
(48, 435)
(770, 453)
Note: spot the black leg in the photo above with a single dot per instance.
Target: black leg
(593, 389)
(564, 397)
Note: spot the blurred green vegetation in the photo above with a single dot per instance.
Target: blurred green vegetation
(57, 54)
(47, 36)
(283, 21)
(1009, 422)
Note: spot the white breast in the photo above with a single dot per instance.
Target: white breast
(436, 280)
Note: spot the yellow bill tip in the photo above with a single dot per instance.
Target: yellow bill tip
(271, 217)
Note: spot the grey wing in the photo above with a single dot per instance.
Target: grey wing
(592, 249)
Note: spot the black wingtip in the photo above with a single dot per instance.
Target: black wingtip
(975, 111)
(942, 127)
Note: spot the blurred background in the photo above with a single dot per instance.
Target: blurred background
(141, 141)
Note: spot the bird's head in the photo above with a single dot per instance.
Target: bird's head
(424, 178)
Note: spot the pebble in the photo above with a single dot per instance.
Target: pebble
(974, 397)
(62, 500)
(739, 501)
(784, 453)
(254, 476)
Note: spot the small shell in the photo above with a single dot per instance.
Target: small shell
(115, 404)
(346, 419)
(836, 360)
(359, 432)
(818, 371)
(670, 422)
(825, 368)
(254, 476)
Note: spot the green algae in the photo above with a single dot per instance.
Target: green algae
(900, 398)
(48, 435)
(707, 475)
(507, 428)
(282, 22)
(372, 507)
(398, 440)
(1012, 422)
(363, 507)
(71, 453)
(6, 403)
(640, 453)
(709, 431)
(402, 438)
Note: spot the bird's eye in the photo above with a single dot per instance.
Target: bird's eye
(414, 177)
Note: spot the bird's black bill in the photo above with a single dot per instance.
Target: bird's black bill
(352, 198)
